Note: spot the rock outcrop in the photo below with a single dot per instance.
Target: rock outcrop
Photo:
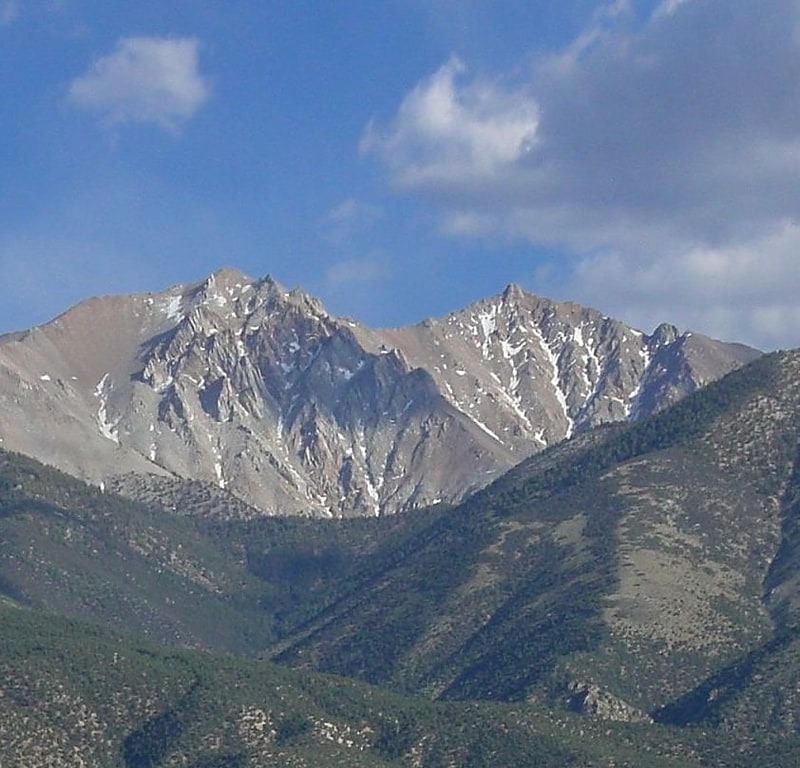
(259, 390)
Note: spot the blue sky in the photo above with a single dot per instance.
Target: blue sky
(402, 158)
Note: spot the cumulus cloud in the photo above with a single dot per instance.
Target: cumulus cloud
(744, 292)
(652, 146)
(452, 134)
(144, 80)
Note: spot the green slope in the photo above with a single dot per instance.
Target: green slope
(628, 571)
(759, 691)
(67, 547)
(180, 577)
(76, 695)
(632, 560)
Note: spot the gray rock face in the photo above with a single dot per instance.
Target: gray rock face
(592, 700)
(262, 392)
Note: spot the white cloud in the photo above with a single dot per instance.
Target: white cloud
(668, 7)
(145, 80)
(446, 133)
(352, 210)
(355, 270)
(668, 144)
(747, 292)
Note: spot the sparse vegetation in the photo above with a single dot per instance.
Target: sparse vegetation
(656, 564)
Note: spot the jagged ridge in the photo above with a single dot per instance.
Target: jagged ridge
(259, 390)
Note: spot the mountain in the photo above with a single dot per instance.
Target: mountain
(626, 597)
(68, 548)
(75, 695)
(206, 575)
(260, 392)
(637, 572)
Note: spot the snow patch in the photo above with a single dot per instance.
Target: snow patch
(488, 323)
(592, 361)
(172, 307)
(218, 472)
(345, 373)
(486, 429)
(516, 406)
(107, 428)
(510, 351)
(561, 398)
(482, 426)
(632, 402)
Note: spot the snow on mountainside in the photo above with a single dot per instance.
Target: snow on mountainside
(260, 391)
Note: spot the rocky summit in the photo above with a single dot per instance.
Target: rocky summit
(260, 392)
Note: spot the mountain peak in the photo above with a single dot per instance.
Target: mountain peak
(665, 333)
(513, 292)
(239, 382)
(229, 276)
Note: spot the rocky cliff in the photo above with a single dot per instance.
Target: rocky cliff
(260, 391)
